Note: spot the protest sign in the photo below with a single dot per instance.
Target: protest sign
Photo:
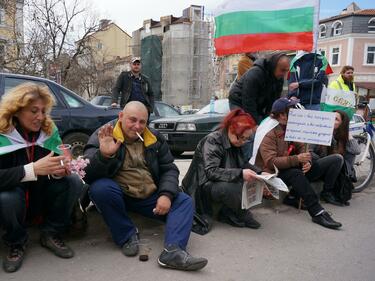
(309, 126)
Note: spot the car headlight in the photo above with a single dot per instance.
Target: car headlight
(186, 127)
(151, 125)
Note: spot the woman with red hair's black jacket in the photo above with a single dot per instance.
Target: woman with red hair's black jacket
(218, 171)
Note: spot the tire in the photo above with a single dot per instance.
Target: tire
(77, 141)
(364, 171)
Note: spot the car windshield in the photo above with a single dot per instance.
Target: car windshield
(220, 106)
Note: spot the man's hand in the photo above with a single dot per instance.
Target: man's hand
(306, 167)
(304, 157)
(108, 145)
(49, 165)
(248, 175)
(293, 86)
(114, 105)
(162, 205)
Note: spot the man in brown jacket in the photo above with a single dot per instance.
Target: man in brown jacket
(295, 166)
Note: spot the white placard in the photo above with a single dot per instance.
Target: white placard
(310, 126)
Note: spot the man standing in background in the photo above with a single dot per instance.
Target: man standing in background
(133, 86)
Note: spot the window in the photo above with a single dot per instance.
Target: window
(335, 56)
(100, 46)
(370, 54)
(322, 31)
(371, 25)
(10, 83)
(166, 110)
(2, 15)
(72, 102)
(337, 28)
(2, 53)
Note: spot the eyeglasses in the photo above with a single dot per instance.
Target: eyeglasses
(242, 138)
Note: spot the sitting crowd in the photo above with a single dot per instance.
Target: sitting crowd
(132, 169)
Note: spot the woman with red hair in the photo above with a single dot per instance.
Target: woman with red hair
(218, 171)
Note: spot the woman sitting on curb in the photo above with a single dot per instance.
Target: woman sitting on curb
(218, 170)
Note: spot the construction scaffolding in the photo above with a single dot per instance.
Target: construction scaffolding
(186, 64)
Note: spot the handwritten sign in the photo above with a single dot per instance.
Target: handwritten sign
(309, 126)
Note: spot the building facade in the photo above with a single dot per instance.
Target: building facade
(11, 33)
(185, 56)
(349, 39)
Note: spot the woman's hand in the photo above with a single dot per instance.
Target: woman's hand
(248, 175)
(108, 145)
(306, 167)
(304, 157)
(49, 165)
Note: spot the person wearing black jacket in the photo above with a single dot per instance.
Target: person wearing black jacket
(35, 187)
(260, 86)
(218, 171)
(133, 86)
(131, 169)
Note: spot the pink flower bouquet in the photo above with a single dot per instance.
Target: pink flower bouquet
(77, 166)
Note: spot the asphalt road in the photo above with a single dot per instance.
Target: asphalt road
(287, 247)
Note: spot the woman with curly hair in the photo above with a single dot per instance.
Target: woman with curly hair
(35, 184)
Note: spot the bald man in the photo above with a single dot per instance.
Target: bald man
(131, 169)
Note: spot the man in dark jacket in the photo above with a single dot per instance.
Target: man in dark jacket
(260, 86)
(131, 169)
(307, 78)
(133, 86)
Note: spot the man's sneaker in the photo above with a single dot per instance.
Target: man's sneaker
(324, 219)
(250, 221)
(131, 247)
(56, 245)
(13, 261)
(176, 258)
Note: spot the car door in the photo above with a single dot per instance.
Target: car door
(59, 114)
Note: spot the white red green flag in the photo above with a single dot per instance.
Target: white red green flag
(258, 25)
(13, 141)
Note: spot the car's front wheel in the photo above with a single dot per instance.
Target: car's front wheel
(77, 141)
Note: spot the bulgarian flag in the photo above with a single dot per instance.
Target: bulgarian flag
(258, 25)
(13, 141)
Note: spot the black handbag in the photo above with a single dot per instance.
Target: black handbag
(343, 186)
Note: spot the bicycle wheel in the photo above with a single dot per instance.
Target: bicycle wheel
(364, 171)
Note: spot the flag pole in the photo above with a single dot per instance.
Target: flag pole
(315, 52)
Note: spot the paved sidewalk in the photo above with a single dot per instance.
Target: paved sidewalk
(287, 247)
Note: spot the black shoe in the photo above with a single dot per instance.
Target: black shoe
(176, 258)
(330, 198)
(250, 221)
(56, 245)
(324, 219)
(293, 202)
(226, 215)
(131, 247)
(13, 261)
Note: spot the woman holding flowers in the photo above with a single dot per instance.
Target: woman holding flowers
(36, 185)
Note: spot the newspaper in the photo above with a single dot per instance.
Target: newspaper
(252, 192)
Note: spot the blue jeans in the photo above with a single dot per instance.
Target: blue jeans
(58, 199)
(113, 204)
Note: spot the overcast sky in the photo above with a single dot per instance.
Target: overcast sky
(129, 15)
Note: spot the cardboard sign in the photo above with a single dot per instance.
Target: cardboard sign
(309, 126)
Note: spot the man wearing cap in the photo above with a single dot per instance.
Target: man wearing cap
(133, 86)
(295, 166)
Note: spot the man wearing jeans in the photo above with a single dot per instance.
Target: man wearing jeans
(131, 169)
